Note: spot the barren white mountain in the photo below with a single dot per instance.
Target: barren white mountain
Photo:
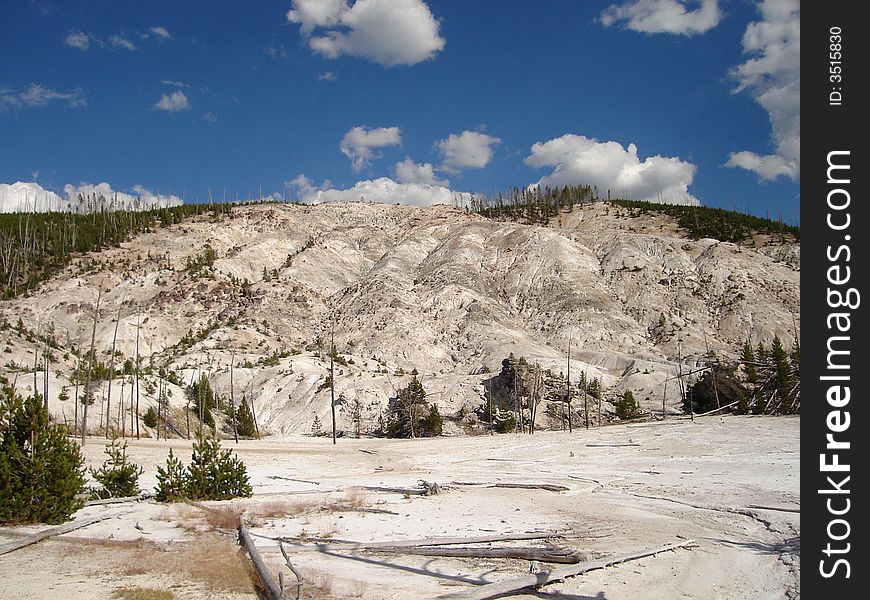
(440, 290)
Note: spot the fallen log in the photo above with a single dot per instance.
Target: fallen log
(532, 486)
(338, 544)
(610, 445)
(426, 489)
(789, 509)
(48, 533)
(551, 555)
(271, 589)
(292, 479)
(113, 500)
(492, 590)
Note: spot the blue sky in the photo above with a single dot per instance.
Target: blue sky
(310, 98)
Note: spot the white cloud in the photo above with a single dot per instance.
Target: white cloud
(177, 84)
(210, 117)
(383, 190)
(38, 95)
(579, 160)
(469, 150)
(407, 171)
(78, 39)
(679, 17)
(772, 76)
(316, 13)
(32, 197)
(327, 76)
(29, 197)
(388, 32)
(358, 144)
(304, 187)
(174, 102)
(276, 52)
(120, 41)
(160, 32)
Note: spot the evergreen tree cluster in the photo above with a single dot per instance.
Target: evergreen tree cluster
(41, 469)
(213, 474)
(765, 380)
(773, 379)
(36, 246)
(409, 415)
(715, 223)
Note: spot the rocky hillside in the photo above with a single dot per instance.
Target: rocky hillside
(437, 289)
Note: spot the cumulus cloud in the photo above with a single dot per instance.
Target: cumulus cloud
(303, 187)
(32, 197)
(664, 16)
(469, 150)
(29, 197)
(578, 160)
(383, 190)
(174, 102)
(36, 95)
(78, 39)
(160, 32)
(388, 32)
(407, 171)
(120, 41)
(772, 77)
(359, 144)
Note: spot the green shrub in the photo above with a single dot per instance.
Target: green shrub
(118, 476)
(41, 469)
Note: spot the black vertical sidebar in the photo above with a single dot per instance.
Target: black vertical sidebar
(834, 262)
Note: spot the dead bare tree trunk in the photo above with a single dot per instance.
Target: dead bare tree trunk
(233, 398)
(112, 369)
(568, 385)
(138, 315)
(91, 366)
(332, 378)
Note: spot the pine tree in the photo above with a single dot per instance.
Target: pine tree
(150, 417)
(432, 424)
(202, 398)
(627, 407)
(171, 481)
(41, 469)
(118, 476)
(245, 420)
(748, 358)
(316, 427)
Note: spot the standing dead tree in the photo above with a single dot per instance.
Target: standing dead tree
(112, 368)
(88, 393)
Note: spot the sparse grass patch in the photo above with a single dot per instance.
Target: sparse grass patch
(318, 584)
(139, 593)
(223, 517)
(212, 560)
(356, 497)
